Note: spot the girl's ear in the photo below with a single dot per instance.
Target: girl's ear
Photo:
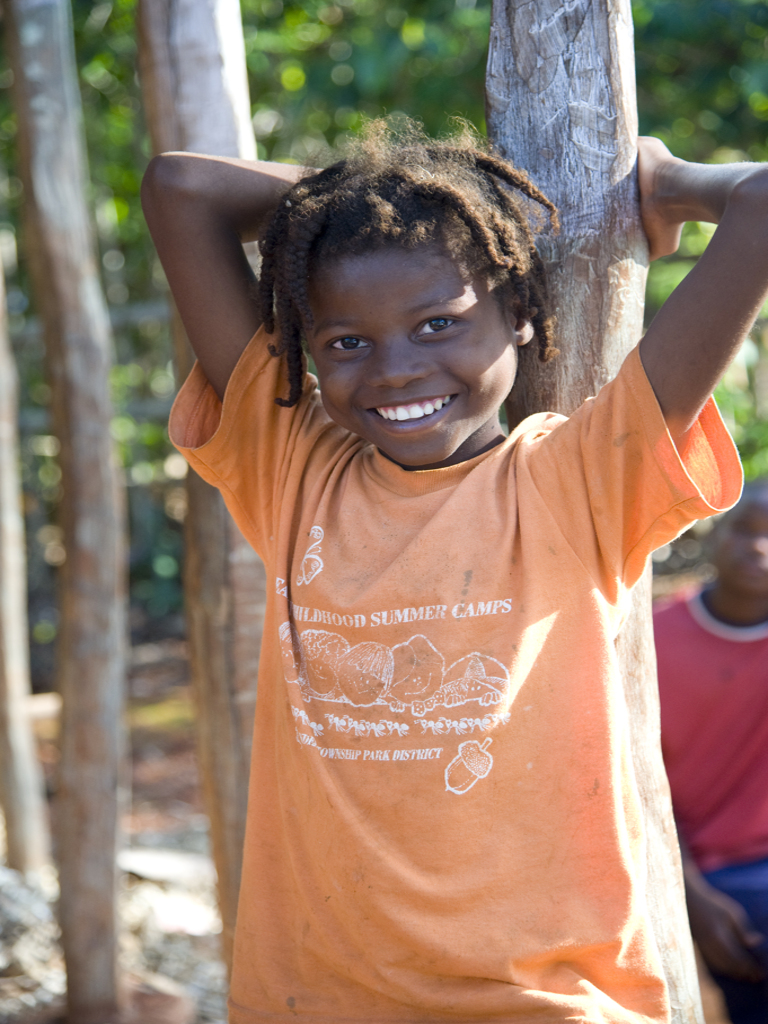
(523, 332)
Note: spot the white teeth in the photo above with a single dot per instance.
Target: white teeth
(413, 412)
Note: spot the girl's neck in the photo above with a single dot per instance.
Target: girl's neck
(449, 462)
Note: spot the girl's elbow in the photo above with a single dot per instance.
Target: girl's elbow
(170, 175)
(752, 191)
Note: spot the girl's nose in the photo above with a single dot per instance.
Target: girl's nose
(395, 362)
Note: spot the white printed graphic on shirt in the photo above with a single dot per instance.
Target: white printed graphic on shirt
(472, 762)
(311, 563)
(365, 728)
(409, 676)
(461, 726)
(301, 715)
(411, 680)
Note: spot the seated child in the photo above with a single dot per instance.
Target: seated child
(444, 823)
(712, 650)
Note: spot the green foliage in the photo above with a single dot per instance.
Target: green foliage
(316, 69)
(702, 75)
(743, 399)
(702, 71)
(105, 42)
(135, 288)
(666, 274)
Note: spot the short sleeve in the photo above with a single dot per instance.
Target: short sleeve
(614, 481)
(254, 451)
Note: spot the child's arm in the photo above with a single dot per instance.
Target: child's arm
(704, 322)
(199, 210)
(720, 926)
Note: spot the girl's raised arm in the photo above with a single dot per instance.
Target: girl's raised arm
(200, 210)
(703, 323)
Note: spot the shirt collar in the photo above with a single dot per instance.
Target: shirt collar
(741, 634)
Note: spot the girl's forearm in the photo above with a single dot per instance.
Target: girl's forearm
(704, 322)
(687, 191)
(240, 194)
(200, 210)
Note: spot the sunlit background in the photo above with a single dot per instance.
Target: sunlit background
(316, 69)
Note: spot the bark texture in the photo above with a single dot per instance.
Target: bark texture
(92, 622)
(561, 104)
(21, 781)
(195, 88)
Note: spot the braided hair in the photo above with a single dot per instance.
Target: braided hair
(412, 192)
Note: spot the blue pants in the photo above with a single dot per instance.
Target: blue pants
(747, 1001)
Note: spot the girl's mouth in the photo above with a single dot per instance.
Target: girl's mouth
(413, 410)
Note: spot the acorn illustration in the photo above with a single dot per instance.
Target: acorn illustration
(470, 764)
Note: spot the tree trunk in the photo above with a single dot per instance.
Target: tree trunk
(561, 104)
(90, 666)
(21, 780)
(193, 76)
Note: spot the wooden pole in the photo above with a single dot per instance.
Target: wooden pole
(195, 88)
(21, 780)
(90, 666)
(561, 104)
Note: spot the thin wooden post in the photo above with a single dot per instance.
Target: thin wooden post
(21, 780)
(561, 104)
(195, 88)
(90, 668)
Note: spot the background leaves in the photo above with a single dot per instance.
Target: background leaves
(316, 69)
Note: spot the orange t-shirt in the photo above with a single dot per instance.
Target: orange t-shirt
(443, 819)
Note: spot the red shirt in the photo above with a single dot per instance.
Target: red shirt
(713, 681)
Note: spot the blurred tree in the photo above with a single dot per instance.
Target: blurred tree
(90, 666)
(195, 89)
(542, 65)
(21, 781)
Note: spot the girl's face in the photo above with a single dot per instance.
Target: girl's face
(413, 354)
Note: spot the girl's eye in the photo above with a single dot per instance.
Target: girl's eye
(348, 344)
(437, 323)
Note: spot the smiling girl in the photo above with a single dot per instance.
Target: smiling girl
(443, 820)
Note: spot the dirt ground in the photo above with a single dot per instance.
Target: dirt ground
(171, 924)
(168, 902)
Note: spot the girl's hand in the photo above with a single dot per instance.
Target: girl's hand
(662, 228)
